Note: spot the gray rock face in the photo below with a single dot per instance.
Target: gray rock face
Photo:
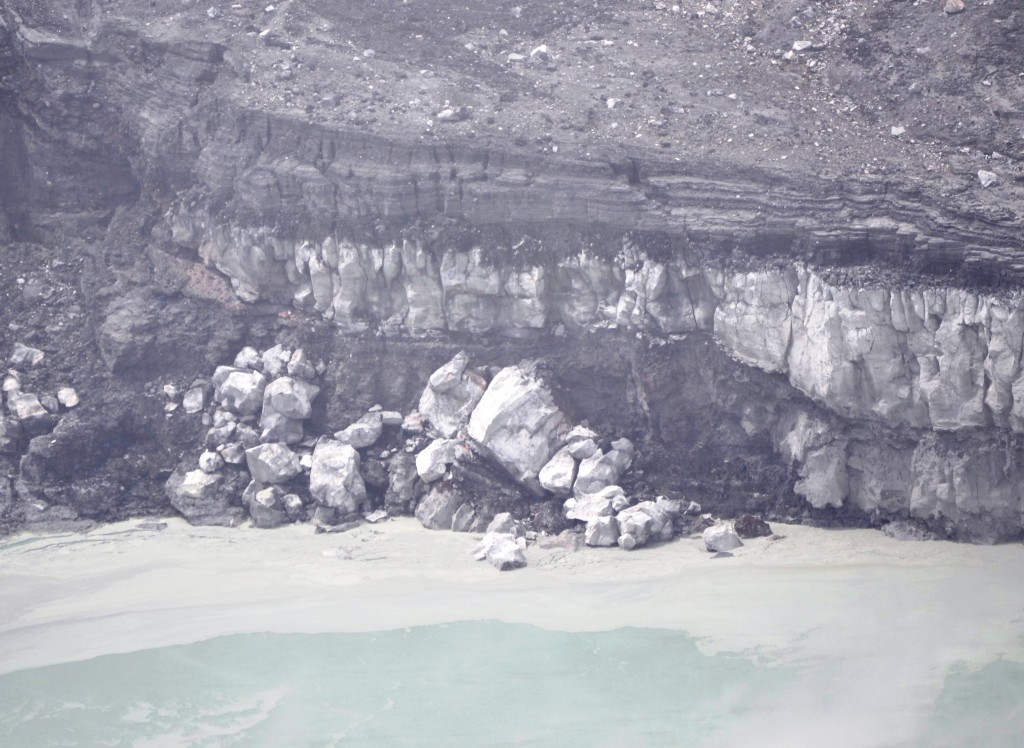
(451, 394)
(272, 463)
(334, 479)
(721, 538)
(501, 551)
(518, 421)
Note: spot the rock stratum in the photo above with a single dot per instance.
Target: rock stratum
(778, 246)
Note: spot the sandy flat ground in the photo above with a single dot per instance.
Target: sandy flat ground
(890, 617)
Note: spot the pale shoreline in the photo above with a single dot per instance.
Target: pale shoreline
(873, 624)
(117, 589)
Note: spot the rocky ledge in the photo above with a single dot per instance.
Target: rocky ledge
(777, 250)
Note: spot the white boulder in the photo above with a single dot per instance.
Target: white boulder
(518, 421)
(334, 478)
(558, 475)
(602, 532)
(721, 538)
(272, 463)
(451, 394)
(432, 463)
(291, 397)
(241, 392)
(604, 503)
(501, 550)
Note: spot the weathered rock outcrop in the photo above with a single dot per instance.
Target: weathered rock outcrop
(784, 318)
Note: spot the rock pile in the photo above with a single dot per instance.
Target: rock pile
(25, 414)
(476, 451)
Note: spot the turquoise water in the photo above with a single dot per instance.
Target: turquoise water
(463, 684)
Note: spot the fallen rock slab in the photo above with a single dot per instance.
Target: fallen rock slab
(721, 538)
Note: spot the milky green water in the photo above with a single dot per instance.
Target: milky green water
(463, 684)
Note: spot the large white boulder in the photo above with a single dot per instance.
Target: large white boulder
(272, 463)
(334, 478)
(501, 550)
(603, 503)
(291, 397)
(721, 538)
(451, 394)
(558, 474)
(240, 391)
(647, 521)
(432, 463)
(518, 421)
(602, 532)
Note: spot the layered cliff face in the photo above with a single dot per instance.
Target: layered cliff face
(790, 306)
